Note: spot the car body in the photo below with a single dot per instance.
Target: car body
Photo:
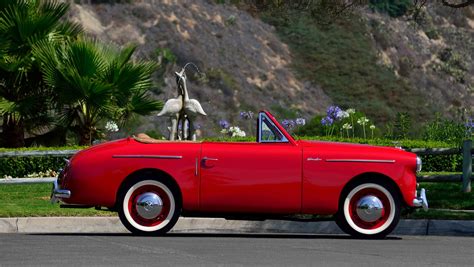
(153, 182)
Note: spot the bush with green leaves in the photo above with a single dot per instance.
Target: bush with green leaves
(446, 130)
(395, 8)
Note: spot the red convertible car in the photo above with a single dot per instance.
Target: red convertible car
(150, 183)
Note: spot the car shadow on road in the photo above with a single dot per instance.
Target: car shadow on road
(218, 235)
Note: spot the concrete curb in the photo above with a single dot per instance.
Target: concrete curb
(204, 225)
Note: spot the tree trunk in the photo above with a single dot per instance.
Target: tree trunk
(85, 136)
(13, 134)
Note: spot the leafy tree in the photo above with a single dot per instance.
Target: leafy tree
(94, 81)
(24, 97)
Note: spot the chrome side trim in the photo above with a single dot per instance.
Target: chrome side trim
(313, 159)
(362, 160)
(206, 158)
(147, 156)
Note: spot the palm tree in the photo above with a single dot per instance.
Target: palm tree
(24, 97)
(95, 82)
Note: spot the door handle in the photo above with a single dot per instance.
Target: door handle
(314, 159)
(206, 158)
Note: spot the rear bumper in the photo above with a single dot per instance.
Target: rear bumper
(57, 193)
(421, 201)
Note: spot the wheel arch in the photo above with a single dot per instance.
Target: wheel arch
(152, 173)
(370, 177)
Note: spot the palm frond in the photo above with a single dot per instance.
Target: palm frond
(7, 106)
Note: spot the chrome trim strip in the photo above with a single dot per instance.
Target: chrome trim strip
(147, 156)
(206, 158)
(313, 159)
(362, 160)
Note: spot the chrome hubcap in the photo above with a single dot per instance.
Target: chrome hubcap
(149, 205)
(369, 208)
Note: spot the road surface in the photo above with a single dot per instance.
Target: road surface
(232, 249)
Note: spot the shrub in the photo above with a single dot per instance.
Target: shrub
(23, 166)
(446, 130)
(394, 8)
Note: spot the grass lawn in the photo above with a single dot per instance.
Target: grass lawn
(445, 195)
(32, 200)
(24, 200)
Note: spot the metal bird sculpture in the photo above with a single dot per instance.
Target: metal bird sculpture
(182, 109)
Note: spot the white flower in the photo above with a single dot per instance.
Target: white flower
(233, 131)
(372, 127)
(346, 126)
(300, 121)
(111, 126)
(351, 111)
(363, 121)
(342, 114)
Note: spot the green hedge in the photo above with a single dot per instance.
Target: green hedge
(23, 166)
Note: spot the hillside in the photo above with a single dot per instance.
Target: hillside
(392, 65)
(247, 67)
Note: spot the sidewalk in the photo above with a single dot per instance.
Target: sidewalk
(204, 225)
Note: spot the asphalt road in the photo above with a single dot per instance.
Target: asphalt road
(232, 249)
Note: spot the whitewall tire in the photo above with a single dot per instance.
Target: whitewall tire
(369, 210)
(148, 206)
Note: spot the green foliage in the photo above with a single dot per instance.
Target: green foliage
(395, 8)
(312, 127)
(24, 97)
(442, 163)
(94, 82)
(22, 166)
(341, 58)
(445, 130)
(402, 126)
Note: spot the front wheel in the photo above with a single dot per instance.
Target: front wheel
(369, 210)
(148, 207)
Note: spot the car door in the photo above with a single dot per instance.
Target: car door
(250, 177)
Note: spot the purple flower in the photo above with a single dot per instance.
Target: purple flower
(288, 124)
(246, 115)
(327, 121)
(334, 112)
(224, 124)
(470, 123)
(300, 121)
(470, 126)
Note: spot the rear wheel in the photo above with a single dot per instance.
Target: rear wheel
(369, 210)
(148, 206)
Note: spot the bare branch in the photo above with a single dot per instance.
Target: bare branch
(457, 5)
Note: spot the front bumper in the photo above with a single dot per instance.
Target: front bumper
(57, 193)
(421, 201)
